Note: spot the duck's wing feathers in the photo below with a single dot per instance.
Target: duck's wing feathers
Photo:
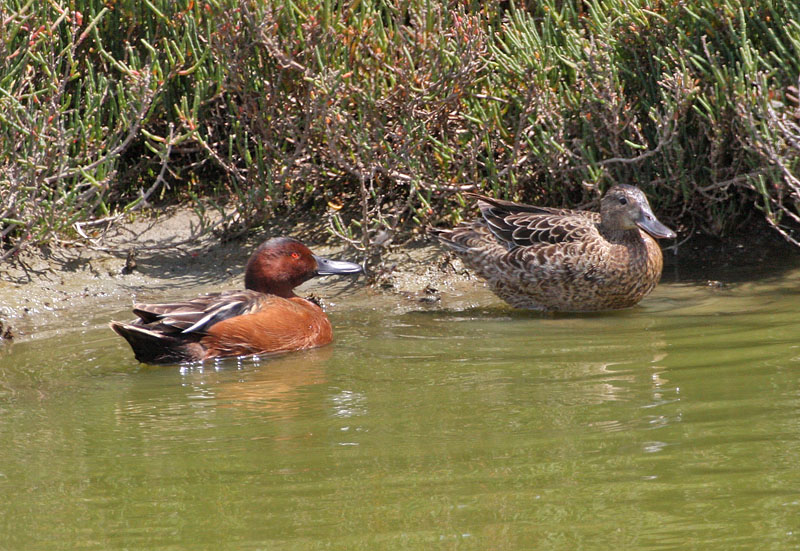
(199, 314)
(520, 225)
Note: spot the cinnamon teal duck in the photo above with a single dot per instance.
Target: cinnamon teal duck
(266, 317)
(552, 259)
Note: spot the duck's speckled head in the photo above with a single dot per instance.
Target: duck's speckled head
(625, 207)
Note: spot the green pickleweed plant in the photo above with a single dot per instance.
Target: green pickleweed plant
(373, 118)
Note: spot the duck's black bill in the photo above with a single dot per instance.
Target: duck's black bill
(326, 266)
(651, 225)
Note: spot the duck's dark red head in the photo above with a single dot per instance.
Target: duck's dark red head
(279, 265)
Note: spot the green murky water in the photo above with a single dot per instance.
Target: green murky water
(675, 425)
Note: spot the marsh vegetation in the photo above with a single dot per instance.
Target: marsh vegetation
(374, 117)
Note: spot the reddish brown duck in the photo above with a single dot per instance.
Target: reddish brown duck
(264, 318)
(564, 260)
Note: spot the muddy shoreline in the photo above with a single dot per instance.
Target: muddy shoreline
(63, 288)
(51, 289)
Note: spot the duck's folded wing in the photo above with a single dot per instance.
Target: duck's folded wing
(199, 314)
(520, 225)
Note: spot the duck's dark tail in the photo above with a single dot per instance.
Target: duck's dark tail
(153, 347)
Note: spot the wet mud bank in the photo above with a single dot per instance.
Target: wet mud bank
(61, 289)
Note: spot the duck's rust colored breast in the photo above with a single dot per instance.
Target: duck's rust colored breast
(281, 325)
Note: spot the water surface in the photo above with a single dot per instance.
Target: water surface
(673, 425)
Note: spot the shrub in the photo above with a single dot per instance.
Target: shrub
(374, 117)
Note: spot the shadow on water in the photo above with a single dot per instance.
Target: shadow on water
(754, 255)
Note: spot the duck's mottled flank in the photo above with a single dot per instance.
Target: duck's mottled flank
(564, 260)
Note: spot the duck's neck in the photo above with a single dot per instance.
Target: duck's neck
(277, 288)
(620, 236)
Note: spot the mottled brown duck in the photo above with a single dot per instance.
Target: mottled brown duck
(551, 259)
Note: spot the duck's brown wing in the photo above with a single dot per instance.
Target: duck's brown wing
(521, 225)
(199, 314)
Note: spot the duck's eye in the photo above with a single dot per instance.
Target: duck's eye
(295, 255)
(623, 201)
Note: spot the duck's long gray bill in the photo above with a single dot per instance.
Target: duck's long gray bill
(651, 225)
(326, 266)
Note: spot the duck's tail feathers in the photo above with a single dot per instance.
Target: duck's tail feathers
(153, 347)
(466, 237)
(448, 238)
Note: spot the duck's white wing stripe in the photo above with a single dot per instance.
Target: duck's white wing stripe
(218, 312)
